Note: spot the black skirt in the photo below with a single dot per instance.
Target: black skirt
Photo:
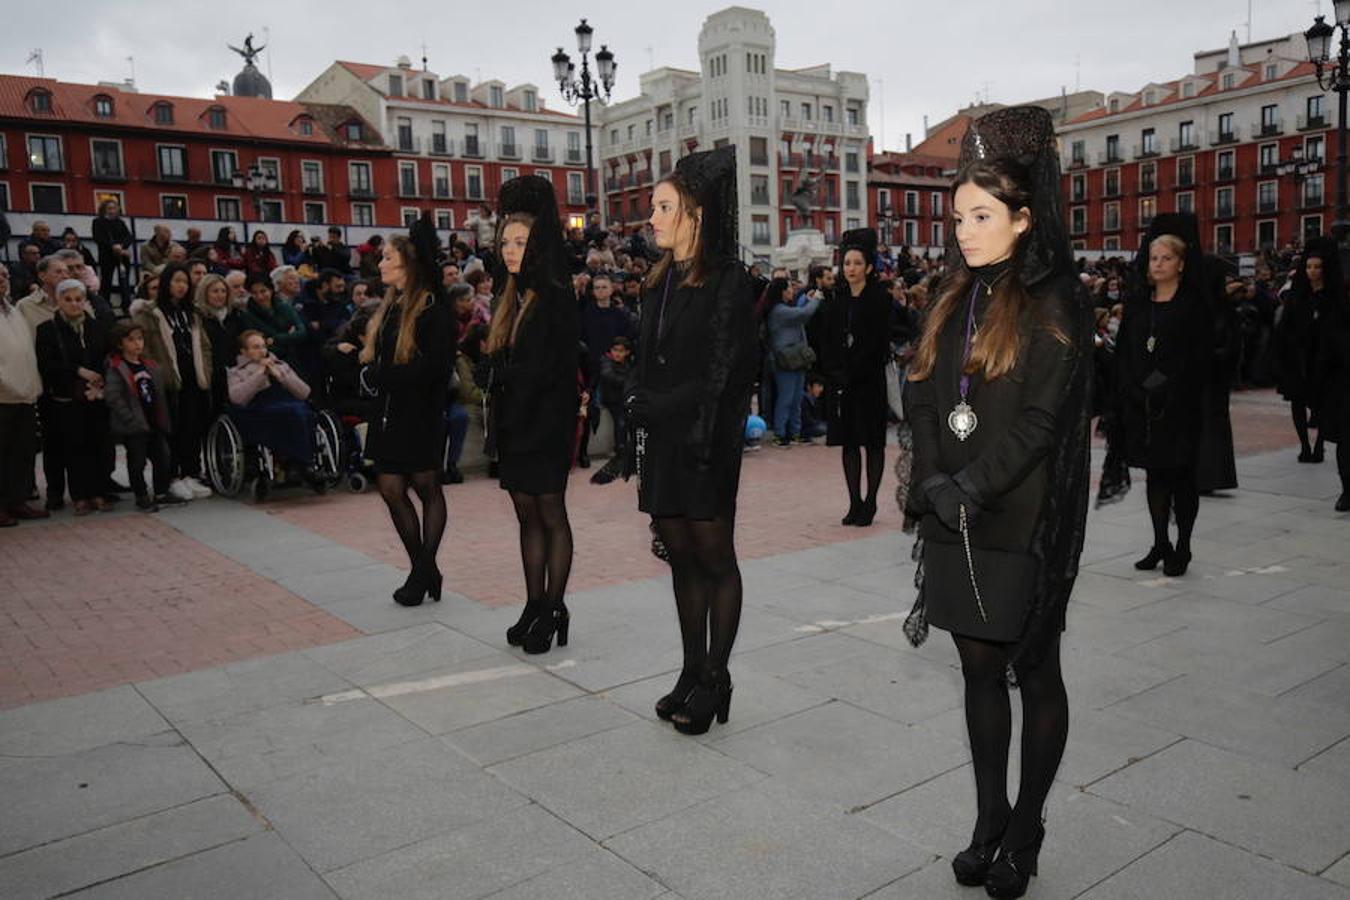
(673, 483)
(533, 473)
(858, 417)
(1005, 578)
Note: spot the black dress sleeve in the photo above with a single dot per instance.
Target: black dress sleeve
(1010, 459)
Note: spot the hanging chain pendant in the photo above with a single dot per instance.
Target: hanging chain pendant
(962, 421)
(1151, 343)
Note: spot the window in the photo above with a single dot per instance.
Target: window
(44, 153)
(1078, 220)
(1312, 227)
(1270, 119)
(1186, 171)
(1111, 216)
(163, 114)
(1224, 165)
(851, 199)
(4, 154)
(1266, 234)
(785, 109)
(1272, 72)
(1113, 148)
(1314, 110)
(4, 196)
(541, 148)
(473, 182)
(40, 101)
(403, 125)
(531, 101)
(759, 190)
(407, 179)
(495, 96)
(1268, 156)
(358, 178)
(509, 148)
(461, 92)
(173, 206)
(664, 162)
(311, 176)
(850, 223)
(1186, 202)
(48, 198)
(103, 106)
(911, 203)
(1111, 243)
(439, 142)
(1078, 153)
(851, 161)
(1148, 177)
(440, 181)
(363, 214)
(306, 127)
(1148, 210)
(1312, 148)
(1111, 183)
(759, 151)
(1148, 142)
(830, 227)
(576, 194)
(445, 219)
(1267, 197)
(272, 211)
(1312, 190)
(410, 215)
(668, 119)
(1223, 238)
(614, 135)
(1229, 79)
(354, 131)
(631, 129)
(509, 172)
(911, 232)
(693, 114)
(428, 88)
(648, 125)
(883, 199)
(1078, 188)
(215, 118)
(935, 204)
(1226, 126)
(271, 166)
(827, 112)
(853, 115)
(471, 140)
(759, 230)
(1186, 136)
(806, 112)
(106, 158)
(227, 209)
(1188, 89)
(396, 85)
(315, 214)
(1223, 202)
(936, 237)
(224, 163)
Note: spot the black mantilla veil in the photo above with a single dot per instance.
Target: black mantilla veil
(710, 178)
(1333, 277)
(422, 235)
(1043, 262)
(1195, 281)
(545, 263)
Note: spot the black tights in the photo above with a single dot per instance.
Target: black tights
(876, 463)
(545, 545)
(421, 541)
(1045, 728)
(1169, 490)
(1300, 411)
(707, 587)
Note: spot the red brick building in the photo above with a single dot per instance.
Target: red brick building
(65, 147)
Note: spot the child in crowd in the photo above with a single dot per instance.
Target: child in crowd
(813, 408)
(615, 369)
(138, 414)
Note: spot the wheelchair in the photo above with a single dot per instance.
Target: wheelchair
(230, 461)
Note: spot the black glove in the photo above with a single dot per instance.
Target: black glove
(482, 373)
(946, 498)
(637, 408)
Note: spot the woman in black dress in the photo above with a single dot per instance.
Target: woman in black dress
(1165, 350)
(855, 347)
(408, 352)
(1316, 281)
(999, 404)
(1330, 373)
(688, 406)
(531, 380)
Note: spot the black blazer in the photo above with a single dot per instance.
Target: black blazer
(698, 369)
(534, 382)
(865, 360)
(409, 427)
(61, 351)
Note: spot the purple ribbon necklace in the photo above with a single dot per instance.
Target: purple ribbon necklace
(962, 419)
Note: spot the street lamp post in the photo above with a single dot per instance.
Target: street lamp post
(585, 89)
(255, 181)
(1319, 38)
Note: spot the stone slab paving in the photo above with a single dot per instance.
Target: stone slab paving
(1209, 751)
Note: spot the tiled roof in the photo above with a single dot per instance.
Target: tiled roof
(365, 72)
(1255, 76)
(253, 117)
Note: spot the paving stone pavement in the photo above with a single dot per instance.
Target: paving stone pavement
(417, 756)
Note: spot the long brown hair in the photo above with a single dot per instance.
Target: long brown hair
(995, 349)
(413, 298)
(688, 207)
(503, 330)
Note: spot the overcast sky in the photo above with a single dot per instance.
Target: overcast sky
(930, 64)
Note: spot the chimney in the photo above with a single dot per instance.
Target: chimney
(1234, 51)
(909, 142)
(925, 126)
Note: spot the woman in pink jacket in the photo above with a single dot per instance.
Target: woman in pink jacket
(267, 403)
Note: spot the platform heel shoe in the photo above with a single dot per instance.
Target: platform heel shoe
(673, 702)
(971, 865)
(1012, 871)
(539, 637)
(515, 635)
(712, 698)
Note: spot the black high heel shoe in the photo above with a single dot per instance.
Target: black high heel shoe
(851, 517)
(515, 635)
(1155, 556)
(1177, 563)
(711, 698)
(539, 637)
(1012, 871)
(866, 513)
(413, 589)
(675, 701)
(971, 865)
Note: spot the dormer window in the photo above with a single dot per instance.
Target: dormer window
(304, 126)
(103, 106)
(428, 88)
(1150, 98)
(461, 92)
(353, 131)
(531, 101)
(215, 118)
(163, 113)
(40, 101)
(1229, 79)
(396, 85)
(495, 96)
(1188, 89)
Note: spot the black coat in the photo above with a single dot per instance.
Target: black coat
(855, 371)
(1216, 467)
(1005, 459)
(61, 351)
(1162, 426)
(1332, 372)
(534, 396)
(696, 366)
(224, 337)
(408, 432)
(1296, 344)
(107, 232)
